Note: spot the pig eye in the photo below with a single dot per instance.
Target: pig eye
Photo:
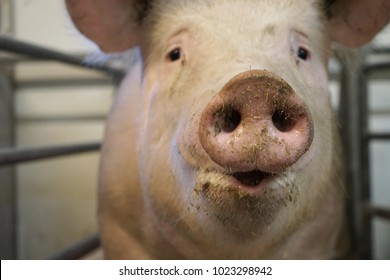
(174, 54)
(303, 53)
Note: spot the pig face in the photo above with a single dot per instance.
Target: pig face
(221, 143)
(243, 180)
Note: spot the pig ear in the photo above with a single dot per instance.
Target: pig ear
(115, 25)
(355, 22)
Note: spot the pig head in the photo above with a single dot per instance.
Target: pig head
(221, 142)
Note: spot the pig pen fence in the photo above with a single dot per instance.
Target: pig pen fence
(353, 119)
(11, 53)
(358, 136)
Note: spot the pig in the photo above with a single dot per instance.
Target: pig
(221, 143)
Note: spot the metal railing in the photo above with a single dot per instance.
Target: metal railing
(36, 52)
(357, 137)
(370, 211)
(78, 250)
(11, 156)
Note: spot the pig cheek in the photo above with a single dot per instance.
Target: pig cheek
(314, 169)
(188, 157)
(161, 192)
(167, 122)
(315, 93)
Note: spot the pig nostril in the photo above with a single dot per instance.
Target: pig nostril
(283, 121)
(226, 120)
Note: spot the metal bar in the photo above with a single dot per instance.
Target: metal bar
(366, 232)
(8, 191)
(78, 250)
(378, 136)
(18, 155)
(47, 119)
(376, 67)
(22, 48)
(351, 102)
(380, 212)
(80, 82)
(380, 50)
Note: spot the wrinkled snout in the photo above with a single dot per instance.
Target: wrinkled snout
(256, 122)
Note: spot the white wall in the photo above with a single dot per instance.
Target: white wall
(45, 22)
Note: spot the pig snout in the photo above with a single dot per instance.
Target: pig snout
(256, 123)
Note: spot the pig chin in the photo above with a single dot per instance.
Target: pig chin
(237, 207)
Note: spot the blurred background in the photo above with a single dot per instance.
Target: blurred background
(49, 205)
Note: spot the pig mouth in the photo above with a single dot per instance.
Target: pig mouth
(243, 200)
(251, 178)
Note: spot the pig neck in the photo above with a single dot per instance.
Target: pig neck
(316, 238)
